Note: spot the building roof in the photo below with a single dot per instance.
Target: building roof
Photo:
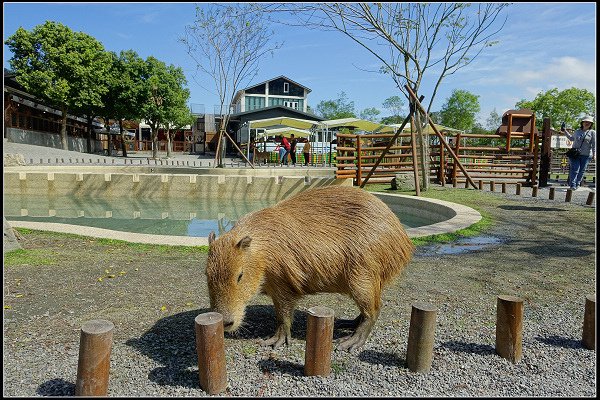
(286, 110)
(280, 76)
(241, 91)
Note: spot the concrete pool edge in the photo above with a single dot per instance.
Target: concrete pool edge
(460, 217)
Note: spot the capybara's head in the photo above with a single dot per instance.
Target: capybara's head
(232, 276)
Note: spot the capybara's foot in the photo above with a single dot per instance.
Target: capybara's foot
(359, 337)
(351, 342)
(280, 337)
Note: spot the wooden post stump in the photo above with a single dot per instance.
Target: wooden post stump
(492, 186)
(319, 341)
(589, 323)
(93, 367)
(534, 191)
(551, 194)
(569, 195)
(421, 334)
(503, 187)
(509, 328)
(518, 190)
(590, 198)
(210, 347)
(480, 184)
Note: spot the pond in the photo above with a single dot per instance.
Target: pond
(157, 216)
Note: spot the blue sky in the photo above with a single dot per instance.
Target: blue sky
(542, 46)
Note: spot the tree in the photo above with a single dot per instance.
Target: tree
(459, 110)
(370, 114)
(126, 93)
(415, 42)
(336, 109)
(567, 105)
(163, 92)
(394, 105)
(64, 68)
(227, 42)
(178, 117)
(494, 121)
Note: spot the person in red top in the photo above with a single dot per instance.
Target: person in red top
(286, 145)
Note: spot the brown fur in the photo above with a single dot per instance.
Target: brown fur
(334, 239)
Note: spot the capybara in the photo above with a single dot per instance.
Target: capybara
(334, 239)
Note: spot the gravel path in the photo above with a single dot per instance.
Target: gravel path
(543, 251)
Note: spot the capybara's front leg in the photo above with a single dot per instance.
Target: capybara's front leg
(284, 310)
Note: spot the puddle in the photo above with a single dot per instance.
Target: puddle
(463, 245)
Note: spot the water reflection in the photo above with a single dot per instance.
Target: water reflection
(174, 217)
(159, 216)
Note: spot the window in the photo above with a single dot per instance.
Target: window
(286, 87)
(291, 104)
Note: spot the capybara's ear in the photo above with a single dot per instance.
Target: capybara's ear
(211, 237)
(244, 243)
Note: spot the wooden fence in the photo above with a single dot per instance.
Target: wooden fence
(523, 157)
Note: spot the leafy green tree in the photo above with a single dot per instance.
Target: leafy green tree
(127, 93)
(460, 109)
(163, 92)
(567, 105)
(64, 68)
(336, 109)
(178, 116)
(370, 114)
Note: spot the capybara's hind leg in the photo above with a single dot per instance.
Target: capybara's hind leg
(284, 310)
(369, 304)
(349, 323)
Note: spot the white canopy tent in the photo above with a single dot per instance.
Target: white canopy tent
(286, 131)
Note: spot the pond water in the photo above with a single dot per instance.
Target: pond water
(158, 216)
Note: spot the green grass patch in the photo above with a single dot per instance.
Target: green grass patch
(161, 248)
(29, 257)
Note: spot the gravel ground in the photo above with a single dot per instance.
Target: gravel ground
(540, 250)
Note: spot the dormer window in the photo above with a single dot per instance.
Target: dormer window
(286, 87)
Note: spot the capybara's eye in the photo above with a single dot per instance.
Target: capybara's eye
(240, 277)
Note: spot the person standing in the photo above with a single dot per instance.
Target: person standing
(584, 140)
(306, 152)
(286, 145)
(293, 144)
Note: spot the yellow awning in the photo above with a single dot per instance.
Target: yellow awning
(360, 124)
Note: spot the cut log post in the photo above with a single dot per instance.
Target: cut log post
(518, 190)
(551, 194)
(319, 341)
(210, 347)
(589, 323)
(569, 195)
(93, 367)
(421, 334)
(534, 191)
(480, 184)
(503, 187)
(492, 186)
(590, 199)
(509, 328)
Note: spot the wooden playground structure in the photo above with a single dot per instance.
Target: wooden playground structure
(516, 153)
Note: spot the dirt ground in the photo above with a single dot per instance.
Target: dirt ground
(543, 252)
